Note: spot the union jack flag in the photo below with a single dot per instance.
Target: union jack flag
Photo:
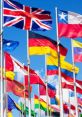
(24, 17)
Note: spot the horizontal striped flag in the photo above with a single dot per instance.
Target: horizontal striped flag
(69, 24)
(67, 75)
(24, 17)
(39, 45)
(63, 64)
(51, 90)
(43, 105)
(71, 86)
(77, 50)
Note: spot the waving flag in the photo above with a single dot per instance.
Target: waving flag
(77, 51)
(33, 113)
(63, 64)
(24, 17)
(34, 79)
(67, 75)
(43, 105)
(9, 45)
(69, 24)
(40, 45)
(69, 86)
(11, 104)
(17, 88)
(51, 90)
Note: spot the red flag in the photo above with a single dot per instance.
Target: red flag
(69, 24)
(34, 79)
(8, 62)
(69, 86)
(17, 88)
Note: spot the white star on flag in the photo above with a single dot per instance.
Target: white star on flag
(62, 16)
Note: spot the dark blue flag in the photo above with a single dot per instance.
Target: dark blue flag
(9, 45)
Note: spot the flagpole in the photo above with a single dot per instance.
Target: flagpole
(39, 101)
(46, 81)
(1, 61)
(5, 93)
(34, 106)
(28, 61)
(24, 98)
(75, 91)
(59, 69)
(69, 102)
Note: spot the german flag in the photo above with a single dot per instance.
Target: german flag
(40, 45)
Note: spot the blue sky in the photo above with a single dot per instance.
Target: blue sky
(37, 62)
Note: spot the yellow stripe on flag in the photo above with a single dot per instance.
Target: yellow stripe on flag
(36, 101)
(44, 50)
(76, 44)
(64, 65)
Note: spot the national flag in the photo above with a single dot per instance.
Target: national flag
(17, 88)
(24, 17)
(9, 45)
(69, 86)
(63, 64)
(34, 79)
(43, 105)
(51, 90)
(11, 104)
(67, 75)
(77, 50)
(39, 45)
(69, 24)
(12, 64)
(26, 110)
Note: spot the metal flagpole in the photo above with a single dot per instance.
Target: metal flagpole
(24, 98)
(1, 61)
(4, 88)
(69, 102)
(46, 81)
(34, 105)
(75, 91)
(39, 101)
(28, 61)
(59, 70)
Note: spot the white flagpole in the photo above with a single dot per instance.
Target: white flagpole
(75, 91)
(5, 93)
(28, 61)
(1, 61)
(24, 98)
(46, 81)
(59, 70)
(39, 101)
